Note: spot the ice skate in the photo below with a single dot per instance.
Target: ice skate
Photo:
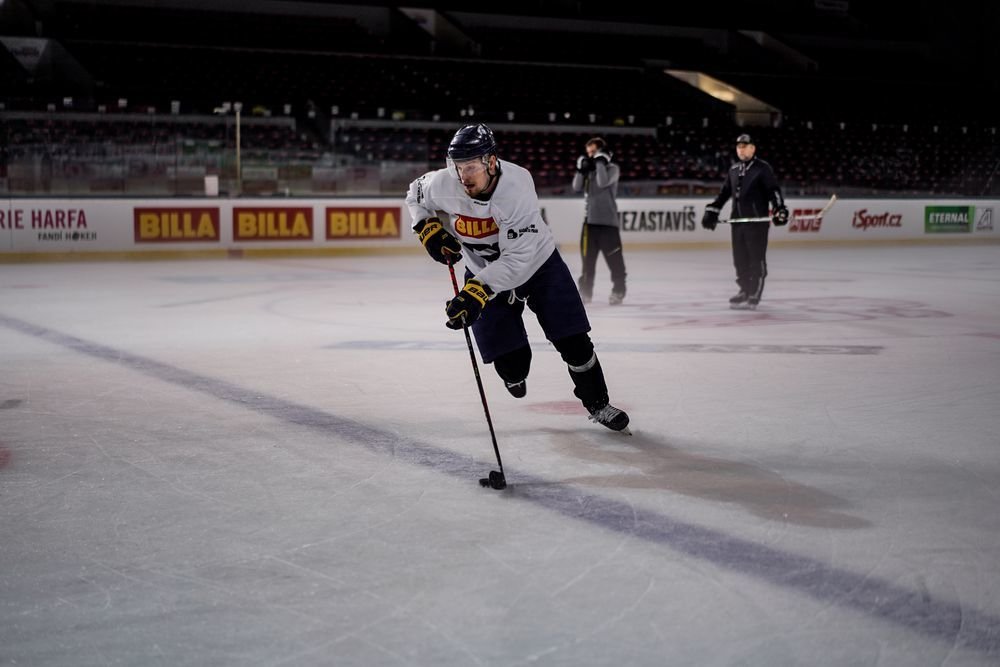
(517, 389)
(739, 301)
(612, 417)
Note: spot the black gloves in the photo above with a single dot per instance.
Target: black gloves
(465, 308)
(780, 216)
(710, 219)
(584, 164)
(602, 157)
(440, 245)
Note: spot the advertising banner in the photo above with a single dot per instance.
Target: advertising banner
(948, 219)
(60, 226)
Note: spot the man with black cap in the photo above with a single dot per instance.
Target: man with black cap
(752, 185)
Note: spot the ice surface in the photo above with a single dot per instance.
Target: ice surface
(276, 462)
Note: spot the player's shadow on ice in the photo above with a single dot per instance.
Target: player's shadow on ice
(652, 463)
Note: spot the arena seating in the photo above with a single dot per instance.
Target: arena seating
(391, 97)
(869, 159)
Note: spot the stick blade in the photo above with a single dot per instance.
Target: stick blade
(496, 481)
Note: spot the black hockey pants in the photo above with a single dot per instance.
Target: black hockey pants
(750, 256)
(596, 240)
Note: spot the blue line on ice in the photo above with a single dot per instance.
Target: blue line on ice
(877, 598)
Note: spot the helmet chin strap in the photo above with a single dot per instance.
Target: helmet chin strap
(491, 176)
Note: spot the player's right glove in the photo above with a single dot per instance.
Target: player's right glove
(584, 164)
(710, 219)
(440, 245)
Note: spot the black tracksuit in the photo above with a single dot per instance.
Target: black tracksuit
(752, 186)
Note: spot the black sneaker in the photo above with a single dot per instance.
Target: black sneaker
(612, 417)
(517, 389)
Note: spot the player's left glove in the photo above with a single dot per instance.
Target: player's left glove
(465, 308)
(780, 216)
(710, 219)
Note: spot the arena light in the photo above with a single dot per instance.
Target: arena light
(749, 109)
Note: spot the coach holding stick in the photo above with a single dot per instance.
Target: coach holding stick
(752, 185)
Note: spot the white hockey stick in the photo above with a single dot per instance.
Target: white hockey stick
(819, 214)
(731, 220)
(822, 211)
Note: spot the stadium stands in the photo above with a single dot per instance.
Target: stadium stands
(338, 87)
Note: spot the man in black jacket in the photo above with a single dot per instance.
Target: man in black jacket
(752, 185)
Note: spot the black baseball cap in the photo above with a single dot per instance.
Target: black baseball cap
(744, 139)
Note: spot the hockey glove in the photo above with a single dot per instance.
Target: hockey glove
(710, 219)
(440, 245)
(584, 164)
(465, 308)
(603, 157)
(780, 216)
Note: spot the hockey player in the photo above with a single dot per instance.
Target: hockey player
(597, 178)
(752, 185)
(487, 208)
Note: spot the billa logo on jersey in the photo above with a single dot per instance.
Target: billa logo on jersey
(805, 220)
(272, 224)
(362, 223)
(475, 228)
(176, 224)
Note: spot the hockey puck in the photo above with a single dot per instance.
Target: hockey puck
(496, 480)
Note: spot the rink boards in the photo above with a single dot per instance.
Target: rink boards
(36, 228)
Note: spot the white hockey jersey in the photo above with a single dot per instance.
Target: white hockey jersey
(505, 238)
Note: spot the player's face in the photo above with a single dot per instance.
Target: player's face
(745, 151)
(474, 175)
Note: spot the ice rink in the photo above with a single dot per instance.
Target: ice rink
(276, 462)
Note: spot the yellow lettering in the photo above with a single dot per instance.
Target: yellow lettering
(299, 226)
(246, 224)
(269, 226)
(149, 225)
(338, 223)
(390, 226)
(205, 226)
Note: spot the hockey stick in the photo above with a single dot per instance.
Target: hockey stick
(496, 479)
(819, 214)
(732, 220)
